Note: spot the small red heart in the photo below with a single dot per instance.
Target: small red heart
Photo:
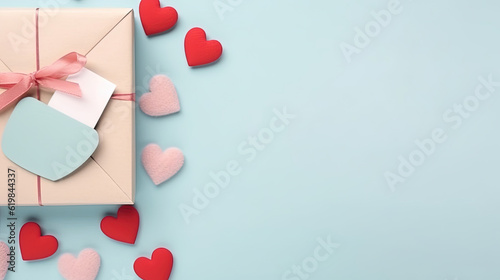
(124, 227)
(199, 51)
(158, 268)
(156, 19)
(33, 245)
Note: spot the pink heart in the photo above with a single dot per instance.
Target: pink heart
(162, 100)
(85, 267)
(161, 165)
(4, 258)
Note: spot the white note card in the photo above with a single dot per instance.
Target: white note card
(96, 92)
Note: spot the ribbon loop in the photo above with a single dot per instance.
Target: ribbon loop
(17, 84)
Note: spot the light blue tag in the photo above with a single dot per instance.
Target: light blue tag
(45, 141)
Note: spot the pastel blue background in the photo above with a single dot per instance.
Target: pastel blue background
(324, 174)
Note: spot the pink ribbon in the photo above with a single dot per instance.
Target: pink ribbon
(18, 84)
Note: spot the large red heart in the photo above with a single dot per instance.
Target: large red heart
(156, 19)
(158, 267)
(33, 245)
(124, 227)
(199, 51)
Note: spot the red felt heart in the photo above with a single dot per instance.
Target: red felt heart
(156, 19)
(33, 245)
(158, 267)
(199, 51)
(124, 227)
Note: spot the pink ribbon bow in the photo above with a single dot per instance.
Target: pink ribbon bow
(18, 84)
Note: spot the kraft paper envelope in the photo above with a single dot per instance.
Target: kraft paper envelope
(106, 37)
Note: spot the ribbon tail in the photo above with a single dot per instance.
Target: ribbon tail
(124, 96)
(8, 80)
(61, 85)
(14, 93)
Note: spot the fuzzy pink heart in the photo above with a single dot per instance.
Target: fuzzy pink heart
(85, 267)
(4, 265)
(161, 165)
(162, 100)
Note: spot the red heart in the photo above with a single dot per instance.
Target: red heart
(158, 268)
(124, 227)
(33, 245)
(199, 51)
(156, 19)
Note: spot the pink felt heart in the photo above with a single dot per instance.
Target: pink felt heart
(162, 100)
(4, 258)
(85, 267)
(161, 165)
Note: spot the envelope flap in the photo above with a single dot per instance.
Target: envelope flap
(116, 48)
(89, 183)
(4, 67)
(116, 150)
(115, 153)
(74, 30)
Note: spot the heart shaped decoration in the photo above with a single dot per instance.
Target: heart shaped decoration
(156, 19)
(158, 267)
(35, 246)
(198, 50)
(85, 267)
(4, 258)
(161, 165)
(162, 100)
(124, 227)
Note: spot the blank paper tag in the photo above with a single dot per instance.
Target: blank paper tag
(96, 92)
